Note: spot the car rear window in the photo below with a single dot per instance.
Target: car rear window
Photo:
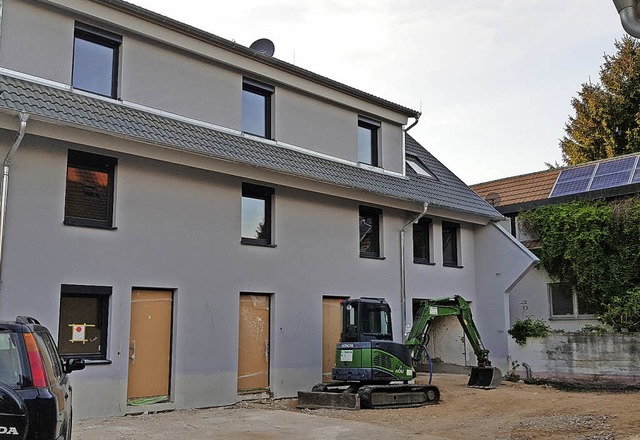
(11, 368)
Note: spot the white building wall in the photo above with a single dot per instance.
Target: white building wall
(501, 262)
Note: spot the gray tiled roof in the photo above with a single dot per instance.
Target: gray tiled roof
(82, 111)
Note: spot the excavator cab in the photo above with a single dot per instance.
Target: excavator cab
(366, 352)
(366, 319)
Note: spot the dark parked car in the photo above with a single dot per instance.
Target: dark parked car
(35, 393)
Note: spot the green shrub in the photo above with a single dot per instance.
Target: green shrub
(524, 328)
(623, 312)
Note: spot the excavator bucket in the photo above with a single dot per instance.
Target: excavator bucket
(485, 377)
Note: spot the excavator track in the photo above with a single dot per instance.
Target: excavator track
(354, 396)
(397, 396)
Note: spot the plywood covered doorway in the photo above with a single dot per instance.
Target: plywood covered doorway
(150, 346)
(253, 344)
(331, 327)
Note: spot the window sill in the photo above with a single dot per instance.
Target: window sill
(572, 317)
(453, 266)
(372, 257)
(424, 262)
(81, 224)
(251, 242)
(92, 94)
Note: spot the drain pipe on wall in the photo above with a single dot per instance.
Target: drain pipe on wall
(629, 16)
(5, 182)
(403, 273)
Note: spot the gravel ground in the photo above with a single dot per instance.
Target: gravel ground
(514, 411)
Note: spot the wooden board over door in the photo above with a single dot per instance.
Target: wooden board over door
(253, 343)
(331, 327)
(150, 344)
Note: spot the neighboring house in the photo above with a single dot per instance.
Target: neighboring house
(186, 212)
(537, 295)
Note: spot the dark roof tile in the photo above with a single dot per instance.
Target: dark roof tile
(66, 107)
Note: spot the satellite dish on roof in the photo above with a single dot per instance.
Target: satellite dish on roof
(263, 46)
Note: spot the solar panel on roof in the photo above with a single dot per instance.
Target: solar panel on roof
(636, 176)
(610, 174)
(614, 173)
(573, 181)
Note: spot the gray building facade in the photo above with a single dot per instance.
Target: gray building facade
(182, 210)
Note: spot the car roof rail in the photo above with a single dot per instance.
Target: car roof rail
(27, 320)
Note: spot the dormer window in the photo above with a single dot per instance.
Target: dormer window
(368, 130)
(256, 108)
(95, 60)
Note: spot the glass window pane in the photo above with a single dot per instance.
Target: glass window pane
(253, 218)
(254, 113)
(449, 245)
(11, 371)
(369, 239)
(421, 241)
(81, 316)
(87, 194)
(93, 67)
(586, 307)
(365, 149)
(561, 299)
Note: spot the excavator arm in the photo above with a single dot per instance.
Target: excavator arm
(484, 375)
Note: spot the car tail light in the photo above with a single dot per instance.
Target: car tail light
(38, 375)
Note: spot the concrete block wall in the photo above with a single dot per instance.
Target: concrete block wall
(579, 357)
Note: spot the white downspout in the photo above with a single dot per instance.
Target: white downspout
(629, 16)
(403, 274)
(5, 182)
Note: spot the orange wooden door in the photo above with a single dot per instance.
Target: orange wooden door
(253, 344)
(150, 344)
(331, 327)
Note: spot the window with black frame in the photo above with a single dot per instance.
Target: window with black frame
(421, 241)
(368, 141)
(89, 190)
(256, 215)
(84, 317)
(369, 230)
(450, 244)
(256, 108)
(95, 60)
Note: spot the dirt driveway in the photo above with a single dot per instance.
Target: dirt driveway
(511, 412)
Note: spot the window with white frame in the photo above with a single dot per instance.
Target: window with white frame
(565, 303)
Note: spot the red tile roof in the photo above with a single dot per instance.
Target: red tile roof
(518, 189)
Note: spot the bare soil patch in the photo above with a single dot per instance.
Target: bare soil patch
(514, 411)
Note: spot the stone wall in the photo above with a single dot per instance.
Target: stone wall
(579, 357)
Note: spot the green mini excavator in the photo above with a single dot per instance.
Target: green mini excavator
(372, 371)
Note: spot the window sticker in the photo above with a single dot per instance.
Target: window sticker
(78, 332)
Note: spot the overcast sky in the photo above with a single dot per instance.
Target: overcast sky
(493, 78)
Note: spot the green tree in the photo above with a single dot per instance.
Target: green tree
(607, 114)
(594, 246)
